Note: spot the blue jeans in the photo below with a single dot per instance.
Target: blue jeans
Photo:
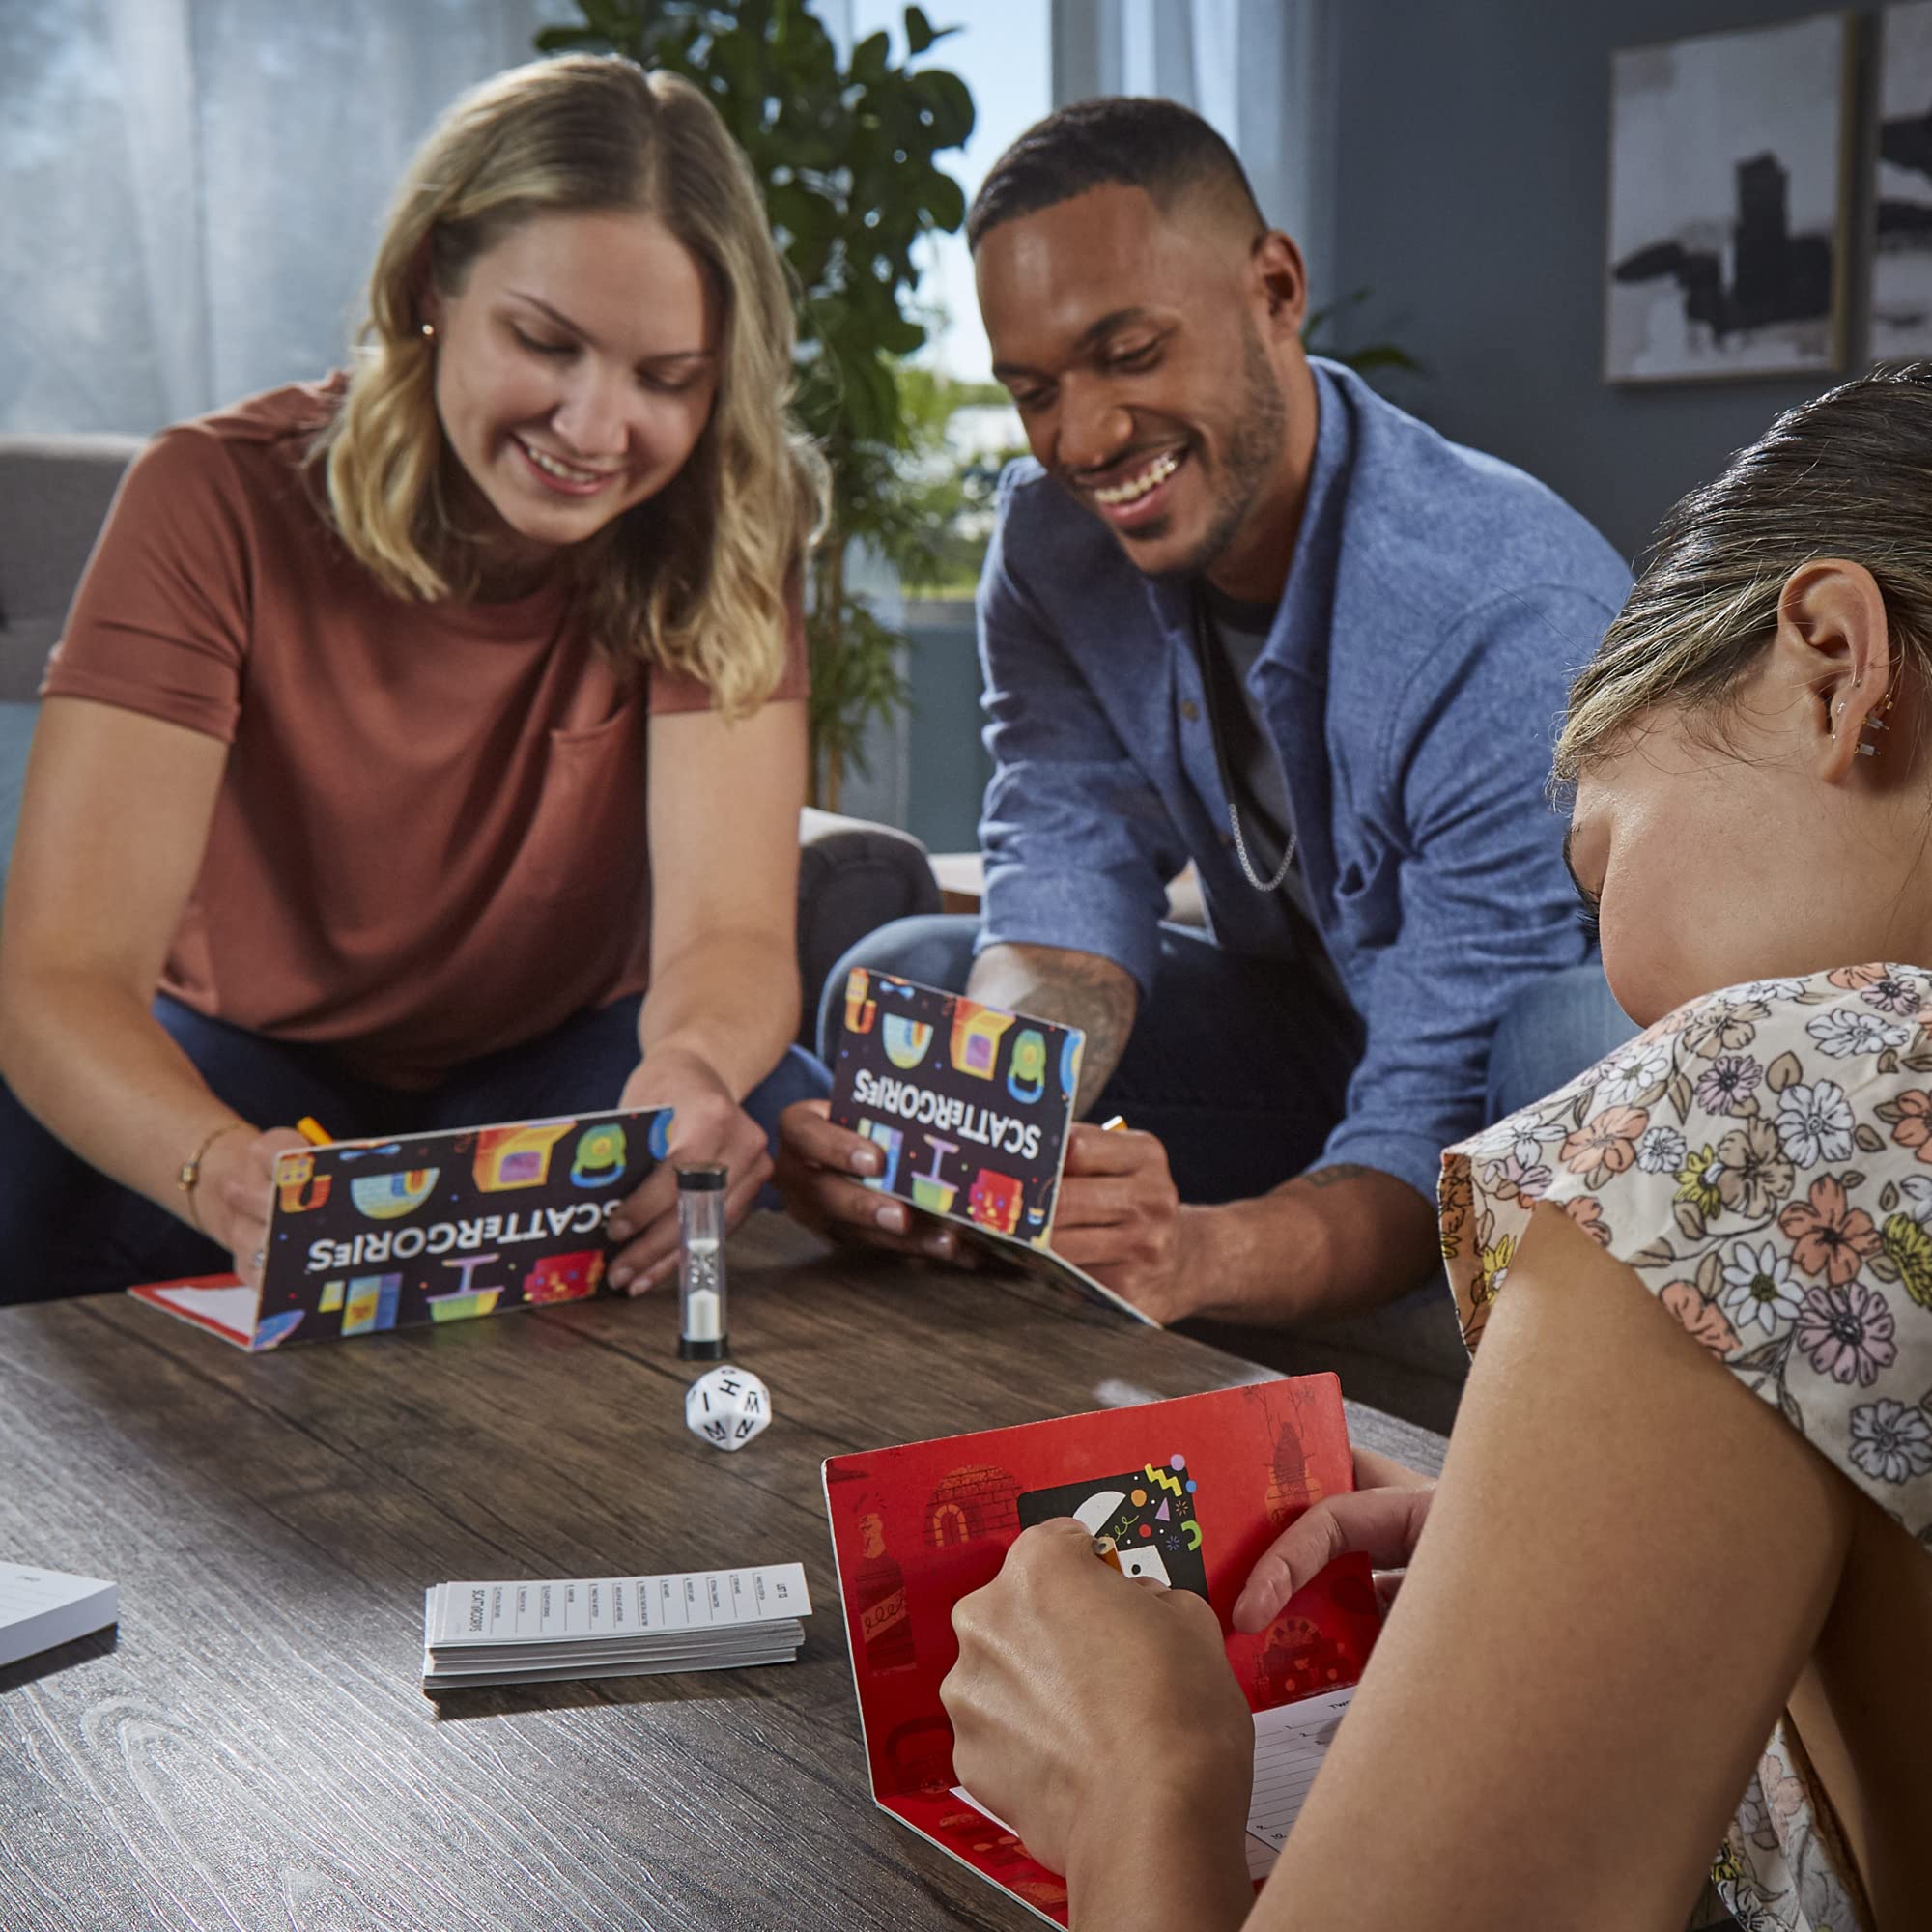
(1553, 1029)
(67, 1229)
(1240, 1066)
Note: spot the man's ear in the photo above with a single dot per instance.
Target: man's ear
(1834, 649)
(1283, 277)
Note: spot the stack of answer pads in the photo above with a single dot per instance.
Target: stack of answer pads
(533, 1631)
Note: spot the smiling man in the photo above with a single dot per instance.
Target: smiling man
(1239, 609)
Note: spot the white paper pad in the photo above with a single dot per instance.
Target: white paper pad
(230, 1308)
(40, 1609)
(1291, 1741)
(612, 1626)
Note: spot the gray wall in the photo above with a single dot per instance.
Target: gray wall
(1472, 174)
(947, 766)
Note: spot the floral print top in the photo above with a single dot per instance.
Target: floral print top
(1762, 1159)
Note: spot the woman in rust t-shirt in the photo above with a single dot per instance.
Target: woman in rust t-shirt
(426, 745)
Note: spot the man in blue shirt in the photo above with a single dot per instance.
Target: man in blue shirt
(1241, 611)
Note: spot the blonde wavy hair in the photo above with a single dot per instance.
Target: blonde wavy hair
(701, 578)
(1848, 474)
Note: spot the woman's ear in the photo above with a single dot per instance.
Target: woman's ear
(1834, 651)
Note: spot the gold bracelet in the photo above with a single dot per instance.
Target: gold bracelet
(190, 1168)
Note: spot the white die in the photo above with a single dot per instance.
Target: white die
(727, 1406)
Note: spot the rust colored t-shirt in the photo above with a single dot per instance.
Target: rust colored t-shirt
(430, 839)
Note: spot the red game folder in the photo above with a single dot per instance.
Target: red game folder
(1191, 1491)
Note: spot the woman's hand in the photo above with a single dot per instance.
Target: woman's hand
(1382, 1515)
(707, 1124)
(235, 1185)
(1092, 1713)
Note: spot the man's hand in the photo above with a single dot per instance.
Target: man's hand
(817, 1162)
(1118, 1216)
(232, 1194)
(1382, 1514)
(1045, 1731)
(707, 1124)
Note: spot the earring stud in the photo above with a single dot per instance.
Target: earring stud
(1875, 722)
(429, 331)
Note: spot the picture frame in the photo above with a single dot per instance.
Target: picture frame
(1900, 274)
(1728, 228)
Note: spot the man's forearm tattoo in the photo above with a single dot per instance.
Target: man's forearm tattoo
(1072, 988)
(1334, 1176)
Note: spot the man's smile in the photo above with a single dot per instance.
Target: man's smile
(1138, 485)
(1137, 488)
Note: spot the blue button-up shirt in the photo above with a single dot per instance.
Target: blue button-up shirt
(1437, 604)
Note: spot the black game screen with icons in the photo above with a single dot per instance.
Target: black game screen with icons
(969, 1105)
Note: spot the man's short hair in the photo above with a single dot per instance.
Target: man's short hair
(1117, 141)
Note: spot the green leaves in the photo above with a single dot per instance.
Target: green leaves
(1316, 337)
(921, 33)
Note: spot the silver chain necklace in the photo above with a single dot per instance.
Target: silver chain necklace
(1208, 690)
(1255, 879)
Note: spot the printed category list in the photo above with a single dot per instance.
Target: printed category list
(539, 1611)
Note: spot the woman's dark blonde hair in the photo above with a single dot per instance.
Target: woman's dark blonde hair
(1847, 475)
(699, 578)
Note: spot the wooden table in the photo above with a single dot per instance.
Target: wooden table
(254, 1749)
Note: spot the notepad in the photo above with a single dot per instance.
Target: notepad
(40, 1609)
(1291, 1740)
(1289, 1744)
(551, 1629)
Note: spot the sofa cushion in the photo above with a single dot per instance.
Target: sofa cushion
(853, 877)
(55, 494)
(16, 729)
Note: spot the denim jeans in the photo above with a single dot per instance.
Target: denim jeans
(1553, 1029)
(67, 1229)
(1240, 1066)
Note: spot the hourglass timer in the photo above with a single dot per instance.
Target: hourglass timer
(701, 1263)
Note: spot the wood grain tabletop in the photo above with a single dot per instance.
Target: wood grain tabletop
(252, 1748)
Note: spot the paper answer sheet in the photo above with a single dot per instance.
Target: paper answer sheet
(230, 1308)
(540, 1611)
(1291, 1741)
(40, 1609)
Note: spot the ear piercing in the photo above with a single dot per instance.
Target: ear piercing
(429, 331)
(1875, 722)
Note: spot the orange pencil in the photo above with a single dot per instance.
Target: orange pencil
(313, 1131)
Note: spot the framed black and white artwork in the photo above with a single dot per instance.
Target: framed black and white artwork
(1901, 265)
(1729, 182)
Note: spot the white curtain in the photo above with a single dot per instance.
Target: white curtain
(1261, 72)
(190, 190)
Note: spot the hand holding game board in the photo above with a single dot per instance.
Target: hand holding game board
(235, 1189)
(967, 1109)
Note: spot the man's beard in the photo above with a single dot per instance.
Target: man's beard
(1249, 458)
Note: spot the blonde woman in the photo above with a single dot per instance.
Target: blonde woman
(426, 744)
(1667, 1612)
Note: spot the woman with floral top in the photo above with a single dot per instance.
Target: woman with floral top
(1674, 1591)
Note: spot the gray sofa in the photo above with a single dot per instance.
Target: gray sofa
(55, 494)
